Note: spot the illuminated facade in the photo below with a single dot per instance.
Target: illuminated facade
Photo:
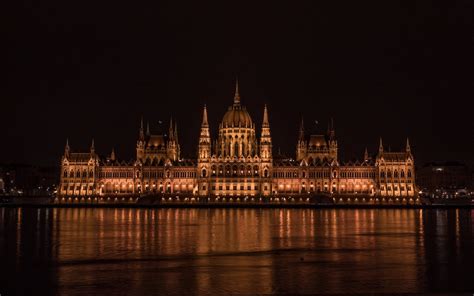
(237, 163)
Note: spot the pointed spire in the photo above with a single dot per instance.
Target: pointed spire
(332, 131)
(204, 117)
(92, 146)
(265, 116)
(380, 146)
(170, 131)
(366, 155)
(265, 136)
(408, 148)
(205, 137)
(301, 131)
(147, 128)
(112, 155)
(236, 95)
(141, 134)
(66, 148)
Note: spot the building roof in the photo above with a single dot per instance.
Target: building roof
(156, 141)
(394, 156)
(116, 162)
(184, 162)
(79, 157)
(353, 163)
(317, 140)
(237, 116)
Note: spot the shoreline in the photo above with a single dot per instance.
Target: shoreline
(155, 202)
(230, 206)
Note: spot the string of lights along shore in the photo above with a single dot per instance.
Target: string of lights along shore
(237, 165)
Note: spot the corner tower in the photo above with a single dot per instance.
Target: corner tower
(266, 154)
(204, 152)
(266, 139)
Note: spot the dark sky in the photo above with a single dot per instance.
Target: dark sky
(83, 69)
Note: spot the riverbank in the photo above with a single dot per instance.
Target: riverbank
(46, 202)
(232, 202)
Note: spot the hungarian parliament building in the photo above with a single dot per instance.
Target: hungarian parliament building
(239, 163)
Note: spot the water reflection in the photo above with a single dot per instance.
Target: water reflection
(202, 251)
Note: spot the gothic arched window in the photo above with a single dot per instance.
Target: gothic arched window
(204, 173)
(213, 170)
(255, 168)
(221, 170)
(409, 173)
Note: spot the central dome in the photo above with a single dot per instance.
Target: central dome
(237, 115)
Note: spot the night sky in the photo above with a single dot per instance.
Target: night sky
(91, 69)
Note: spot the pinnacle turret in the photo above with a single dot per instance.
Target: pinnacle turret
(204, 117)
(170, 131)
(204, 152)
(265, 117)
(92, 146)
(332, 131)
(265, 126)
(66, 148)
(301, 131)
(237, 95)
(141, 134)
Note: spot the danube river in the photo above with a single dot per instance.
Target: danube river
(88, 251)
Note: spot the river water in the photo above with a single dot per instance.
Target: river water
(88, 251)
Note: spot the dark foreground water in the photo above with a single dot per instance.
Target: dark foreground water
(81, 251)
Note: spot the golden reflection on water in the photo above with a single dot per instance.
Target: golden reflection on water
(202, 251)
(237, 240)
